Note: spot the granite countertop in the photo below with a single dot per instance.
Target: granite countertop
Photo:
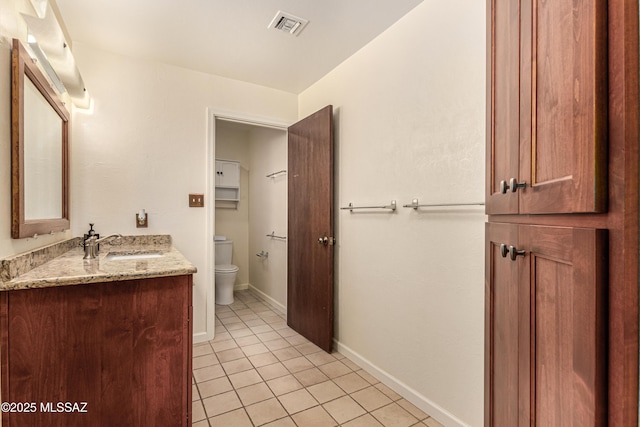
(62, 264)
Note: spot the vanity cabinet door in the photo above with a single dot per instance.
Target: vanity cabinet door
(565, 270)
(547, 107)
(114, 354)
(503, 295)
(503, 103)
(545, 326)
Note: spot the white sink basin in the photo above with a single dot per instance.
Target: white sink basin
(119, 256)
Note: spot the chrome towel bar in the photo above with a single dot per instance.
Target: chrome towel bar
(415, 205)
(271, 175)
(273, 236)
(391, 206)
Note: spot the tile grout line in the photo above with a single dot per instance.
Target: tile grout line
(269, 317)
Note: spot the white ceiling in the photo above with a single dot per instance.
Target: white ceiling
(230, 37)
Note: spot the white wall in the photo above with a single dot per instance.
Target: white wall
(145, 145)
(232, 220)
(410, 114)
(268, 213)
(12, 25)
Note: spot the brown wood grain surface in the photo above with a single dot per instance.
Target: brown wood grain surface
(503, 101)
(546, 326)
(124, 348)
(310, 217)
(609, 65)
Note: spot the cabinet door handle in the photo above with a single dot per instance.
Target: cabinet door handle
(504, 250)
(514, 185)
(503, 187)
(514, 253)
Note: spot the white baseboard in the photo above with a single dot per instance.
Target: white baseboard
(241, 287)
(209, 335)
(268, 298)
(202, 337)
(435, 411)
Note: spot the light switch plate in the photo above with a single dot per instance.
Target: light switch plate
(196, 200)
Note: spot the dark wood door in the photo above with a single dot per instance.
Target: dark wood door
(565, 270)
(503, 101)
(310, 228)
(563, 106)
(502, 297)
(545, 329)
(547, 107)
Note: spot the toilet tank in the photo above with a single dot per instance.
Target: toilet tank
(224, 252)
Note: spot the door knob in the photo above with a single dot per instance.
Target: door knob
(514, 253)
(327, 241)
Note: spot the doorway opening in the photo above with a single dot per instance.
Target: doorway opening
(247, 215)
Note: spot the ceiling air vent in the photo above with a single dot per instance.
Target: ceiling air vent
(288, 23)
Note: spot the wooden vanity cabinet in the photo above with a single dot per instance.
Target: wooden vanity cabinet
(123, 348)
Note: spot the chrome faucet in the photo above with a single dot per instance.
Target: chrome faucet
(91, 245)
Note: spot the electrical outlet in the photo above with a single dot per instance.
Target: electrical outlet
(196, 200)
(142, 219)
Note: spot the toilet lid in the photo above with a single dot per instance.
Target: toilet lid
(226, 268)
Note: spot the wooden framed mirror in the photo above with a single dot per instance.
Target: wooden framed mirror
(39, 151)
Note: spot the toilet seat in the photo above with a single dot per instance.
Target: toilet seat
(226, 268)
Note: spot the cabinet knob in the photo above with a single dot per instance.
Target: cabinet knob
(504, 250)
(503, 187)
(514, 185)
(514, 253)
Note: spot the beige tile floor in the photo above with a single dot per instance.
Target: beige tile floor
(259, 372)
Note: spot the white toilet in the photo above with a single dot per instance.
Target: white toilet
(225, 272)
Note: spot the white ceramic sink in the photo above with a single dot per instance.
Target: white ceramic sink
(121, 256)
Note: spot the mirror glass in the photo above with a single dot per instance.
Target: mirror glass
(42, 157)
(39, 151)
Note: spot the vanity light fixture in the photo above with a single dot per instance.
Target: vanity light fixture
(45, 64)
(40, 6)
(51, 40)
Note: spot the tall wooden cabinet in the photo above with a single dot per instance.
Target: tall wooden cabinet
(561, 274)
